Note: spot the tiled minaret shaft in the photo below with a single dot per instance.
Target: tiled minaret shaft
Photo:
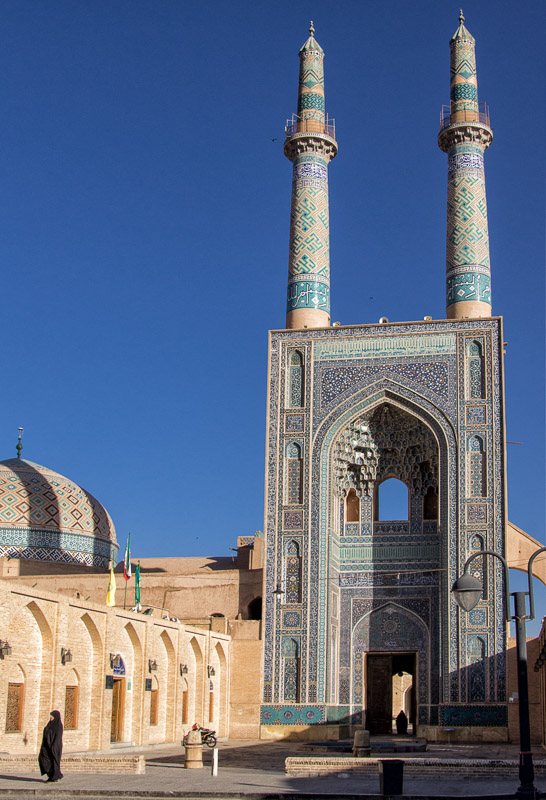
(464, 135)
(310, 145)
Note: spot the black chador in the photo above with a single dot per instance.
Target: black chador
(51, 750)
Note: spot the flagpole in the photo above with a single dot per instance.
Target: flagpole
(127, 568)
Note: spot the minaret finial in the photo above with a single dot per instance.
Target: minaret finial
(461, 16)
(311, 28)
(19, 446)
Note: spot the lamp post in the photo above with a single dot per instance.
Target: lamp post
(467, 591)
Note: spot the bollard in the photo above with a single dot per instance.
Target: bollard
(361, 745)
(193, 751)
(391, 776)
(214, 768)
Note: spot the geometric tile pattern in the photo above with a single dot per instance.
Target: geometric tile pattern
(386, 572)
(44, 515)
(464, 140)
(310, 150)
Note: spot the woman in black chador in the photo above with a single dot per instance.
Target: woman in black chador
(49, 758)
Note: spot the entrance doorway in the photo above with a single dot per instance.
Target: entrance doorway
(390, 688)
(116, 730)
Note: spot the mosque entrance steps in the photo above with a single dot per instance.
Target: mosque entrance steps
(379, 744)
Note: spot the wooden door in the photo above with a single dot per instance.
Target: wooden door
(116, 729)
(379, 693)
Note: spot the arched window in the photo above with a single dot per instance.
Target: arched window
(294, 469)
(391, 501)
(477, 472)
(352, 507)
(291, 670)
(475, 370)
(430, 504)
(295, 380)
(293, 573)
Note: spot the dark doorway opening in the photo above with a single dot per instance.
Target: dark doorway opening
(390, 688)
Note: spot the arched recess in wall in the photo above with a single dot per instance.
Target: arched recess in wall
(255, 608)
(45, 682)
(170, 687)
(362, 405)
(294, 474)
(90, 699)
(295, 380)
(198, 680)
(137, 690)
(352, 507)
(222, 687)
(292, 570)
(291, 671)
(475, 378)
(476, 468)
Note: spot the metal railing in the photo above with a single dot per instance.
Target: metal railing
(482, 115)
(297, 125)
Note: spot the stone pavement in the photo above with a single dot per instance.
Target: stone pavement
(254, 770)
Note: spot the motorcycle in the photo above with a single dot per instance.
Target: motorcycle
(208, 736)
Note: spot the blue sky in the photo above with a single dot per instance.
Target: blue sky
(144, 236)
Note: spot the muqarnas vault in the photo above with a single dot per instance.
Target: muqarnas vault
(353, 599)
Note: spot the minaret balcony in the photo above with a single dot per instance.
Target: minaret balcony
(298, 125)
(480, 116)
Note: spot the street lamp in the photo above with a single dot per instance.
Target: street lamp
(467, 591)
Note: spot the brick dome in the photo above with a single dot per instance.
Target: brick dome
(46, 517)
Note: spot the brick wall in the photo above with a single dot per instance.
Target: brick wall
(38, 624)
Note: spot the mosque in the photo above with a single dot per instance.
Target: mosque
(336, 616)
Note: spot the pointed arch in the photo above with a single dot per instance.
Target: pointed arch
(169, 692)
(291, 670)
(222, 684)
(475, 383)
(352, 506)
(134, 708)
(91, 693)
(295, 380)
(294, 474)
(292, 572)
(198, 678)
(391, 628)
(352, 407)
(44, 667)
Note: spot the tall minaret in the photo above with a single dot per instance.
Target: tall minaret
(310, 145)
(464, 135)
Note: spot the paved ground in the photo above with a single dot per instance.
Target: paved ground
(253, 770)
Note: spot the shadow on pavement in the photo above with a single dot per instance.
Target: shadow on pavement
(265, 756)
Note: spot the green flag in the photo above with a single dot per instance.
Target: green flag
(137, 584)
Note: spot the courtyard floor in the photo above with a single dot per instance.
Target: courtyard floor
(254, 770)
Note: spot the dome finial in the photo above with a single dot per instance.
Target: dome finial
(461, 16)
(19, 446)
(311, 28)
